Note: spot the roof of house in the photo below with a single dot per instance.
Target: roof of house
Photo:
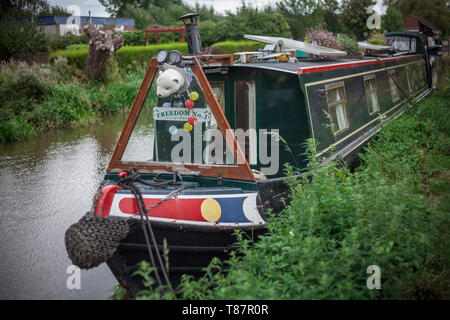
(412, 23)
(84, 20)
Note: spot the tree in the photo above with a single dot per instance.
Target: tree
(354, 17)
(21, 9)
(249, 20)
(435, 11)
(116, 7)
(301, 14)
(102, 45)
(392, 20)
(331, 17)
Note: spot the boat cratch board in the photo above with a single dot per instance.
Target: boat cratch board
(240, 171)
(180, 114)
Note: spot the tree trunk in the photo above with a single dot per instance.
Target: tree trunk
(102, 45)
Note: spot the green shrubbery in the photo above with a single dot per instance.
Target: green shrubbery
(25, 37)
(137, 38)
(62, 42)
(36, 98)
(127, 57)
(349, 45)
(237, 46)
(75, 57)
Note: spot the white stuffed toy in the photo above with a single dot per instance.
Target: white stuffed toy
(171, 80)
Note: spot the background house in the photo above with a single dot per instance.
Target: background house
(419, 24)
(58, 25)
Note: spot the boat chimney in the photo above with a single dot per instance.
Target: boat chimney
(193, 35)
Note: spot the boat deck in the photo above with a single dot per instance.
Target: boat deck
(308, 66)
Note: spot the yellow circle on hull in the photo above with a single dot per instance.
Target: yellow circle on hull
(211, 210)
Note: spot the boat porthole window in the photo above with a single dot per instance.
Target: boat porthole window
(371, 94)
(394, 91)
(337, 107)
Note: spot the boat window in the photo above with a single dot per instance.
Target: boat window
(409, 77)
(337, 107)
(167, 130)
(245, 114)
(394, 90)
(399, 43)
(371, 93)
(421, 72)
(219, 91)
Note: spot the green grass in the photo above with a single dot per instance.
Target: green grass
(37, 99)
(393, 212)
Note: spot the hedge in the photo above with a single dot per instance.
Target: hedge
(131, 56)
(128, 56)
(237, 46)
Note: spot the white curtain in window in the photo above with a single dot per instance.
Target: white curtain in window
(341, 116)
(252, 122)
(373, 97)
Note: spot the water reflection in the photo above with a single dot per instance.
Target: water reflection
(47, 183)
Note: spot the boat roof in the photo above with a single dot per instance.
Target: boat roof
(308, 66)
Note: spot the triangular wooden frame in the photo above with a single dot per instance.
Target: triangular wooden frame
(239, 171)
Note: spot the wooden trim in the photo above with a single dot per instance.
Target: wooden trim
(134, 113)
(238, 171)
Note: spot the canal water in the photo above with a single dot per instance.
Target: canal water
(46, 184)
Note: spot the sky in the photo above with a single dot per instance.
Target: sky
(98, 10)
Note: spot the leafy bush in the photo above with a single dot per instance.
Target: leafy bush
(77, 46)
(62, 42)
(128, 57)
(133, 38)
(21, 85)
(24, 37)
(377, 39)
(236, 46)
(323, 38)
(349, 45)
(75, 57)
(36, 98)
(137, 38)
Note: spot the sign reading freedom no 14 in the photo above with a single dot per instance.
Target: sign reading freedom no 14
(181, 114)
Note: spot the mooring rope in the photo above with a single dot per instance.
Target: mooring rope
(128, 182)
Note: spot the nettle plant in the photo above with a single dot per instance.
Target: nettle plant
(323, 38)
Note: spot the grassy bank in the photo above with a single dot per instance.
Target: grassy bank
(38, 98)
(393, 212)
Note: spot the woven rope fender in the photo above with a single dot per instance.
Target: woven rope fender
(93, 240)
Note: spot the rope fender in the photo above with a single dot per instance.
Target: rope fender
(93, 240)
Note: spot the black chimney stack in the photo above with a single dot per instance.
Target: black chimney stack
(194, 43)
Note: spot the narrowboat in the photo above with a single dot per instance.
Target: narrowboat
(202, 152)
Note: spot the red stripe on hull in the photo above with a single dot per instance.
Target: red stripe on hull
(351, 64)
(177, 209)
